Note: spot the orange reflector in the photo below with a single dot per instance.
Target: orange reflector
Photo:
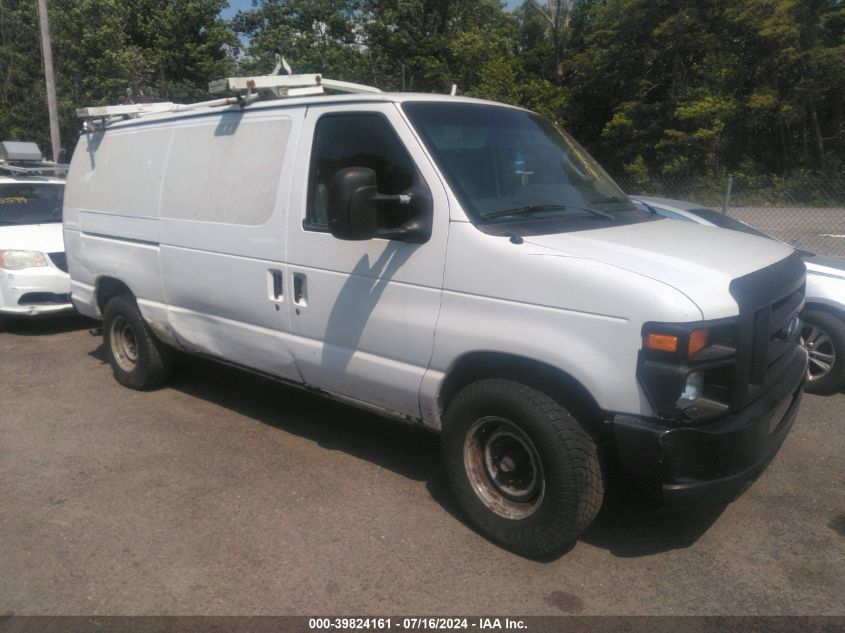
(698, 340)
(662, 342)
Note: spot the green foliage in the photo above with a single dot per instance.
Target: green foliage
(658, 90)
(161, 49)
(23, 113)
(315, 36)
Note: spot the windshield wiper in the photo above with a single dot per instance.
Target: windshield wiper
(531, 208)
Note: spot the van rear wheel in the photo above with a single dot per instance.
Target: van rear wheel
(138, 359)
(523, 470)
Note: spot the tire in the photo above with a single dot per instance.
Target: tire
(9, 323)
(523, 471)
(138, 359)
(823, 335)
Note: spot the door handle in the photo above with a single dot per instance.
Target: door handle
(275, 285)
(300, 290)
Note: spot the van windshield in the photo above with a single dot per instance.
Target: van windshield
(507, 164)
(30, 203)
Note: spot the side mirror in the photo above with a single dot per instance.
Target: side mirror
(354, 208)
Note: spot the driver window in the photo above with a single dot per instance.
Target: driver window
(356, 140)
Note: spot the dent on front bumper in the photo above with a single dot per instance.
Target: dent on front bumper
(34, 291)
(712, 463)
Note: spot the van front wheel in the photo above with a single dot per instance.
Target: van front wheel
(138, 359)
(523, 470)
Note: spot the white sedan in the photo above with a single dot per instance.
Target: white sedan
(33, 268)
(824, 313)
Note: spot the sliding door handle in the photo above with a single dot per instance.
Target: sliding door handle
(274, 285)
(300, 289)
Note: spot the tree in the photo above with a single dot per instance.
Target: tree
(314, 36)
(680, 87)
(165, 49)
(23, 110)
(428, 45)
(698, 88)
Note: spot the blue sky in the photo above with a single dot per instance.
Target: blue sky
(235, 6)
(239, 5)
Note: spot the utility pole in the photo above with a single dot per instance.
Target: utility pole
(50, 80)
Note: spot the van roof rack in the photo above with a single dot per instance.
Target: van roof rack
(24, 158)
(249, 89)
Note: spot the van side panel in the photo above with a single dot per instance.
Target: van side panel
(119, 172)
(223, 215)
(111, 211)
(191, 216)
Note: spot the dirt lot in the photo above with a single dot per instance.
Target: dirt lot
(228, 494)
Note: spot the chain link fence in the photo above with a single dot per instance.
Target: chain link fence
(805, 211)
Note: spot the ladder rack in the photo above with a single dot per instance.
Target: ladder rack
(250, 89)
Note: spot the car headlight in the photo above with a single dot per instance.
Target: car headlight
(17, 260)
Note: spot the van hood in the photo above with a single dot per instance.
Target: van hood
(44, 238)
(699, 261)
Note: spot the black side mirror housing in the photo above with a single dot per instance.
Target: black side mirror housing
(353, 214)
(353, 208)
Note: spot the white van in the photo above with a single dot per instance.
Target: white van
(449, 262)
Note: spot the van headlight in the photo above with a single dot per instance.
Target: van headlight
(693, 389)
(687, 369)
(18, 260)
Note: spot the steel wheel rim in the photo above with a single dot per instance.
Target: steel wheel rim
(124, 345)
(504, 467)
(820, 349)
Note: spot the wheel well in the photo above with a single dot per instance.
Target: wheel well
(108, 288)
(550, 380)
(824, 307)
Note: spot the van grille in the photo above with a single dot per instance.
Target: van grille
(768, 300)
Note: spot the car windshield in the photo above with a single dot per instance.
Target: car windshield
(506, 163)
(30, 203)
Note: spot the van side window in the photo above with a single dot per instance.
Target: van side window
(355, 140)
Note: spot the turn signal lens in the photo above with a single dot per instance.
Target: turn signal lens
(661, 342)
(698, 340)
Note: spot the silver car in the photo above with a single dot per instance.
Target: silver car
(824, 315)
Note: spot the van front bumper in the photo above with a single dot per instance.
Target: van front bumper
(32, 291)
(712, 463)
